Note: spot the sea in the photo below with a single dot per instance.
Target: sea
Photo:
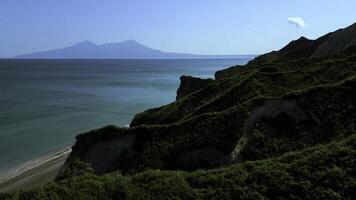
(45, 103)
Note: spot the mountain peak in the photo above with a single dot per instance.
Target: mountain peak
(296, 45)
(131, 43)
(85, 43)
(303, 38)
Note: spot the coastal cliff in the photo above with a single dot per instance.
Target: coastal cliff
(281, 127)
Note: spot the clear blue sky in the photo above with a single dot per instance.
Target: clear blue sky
(191, 26)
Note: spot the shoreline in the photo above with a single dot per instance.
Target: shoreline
(35, 172)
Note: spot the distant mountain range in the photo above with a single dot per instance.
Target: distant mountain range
(87, 49)
(126, 49)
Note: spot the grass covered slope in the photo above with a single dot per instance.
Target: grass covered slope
(258, 129)
(320, 172)
(281, 127)
(238, 84)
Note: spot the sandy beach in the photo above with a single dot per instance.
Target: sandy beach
(35, 175)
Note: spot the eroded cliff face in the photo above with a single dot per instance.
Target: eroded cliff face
(276, 116)
(104, 155)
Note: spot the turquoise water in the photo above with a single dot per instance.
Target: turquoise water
(44, 104)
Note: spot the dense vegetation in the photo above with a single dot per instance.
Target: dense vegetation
(281, 127)
(321, 172)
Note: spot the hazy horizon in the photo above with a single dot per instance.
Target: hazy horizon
(195, 27)
(129, 49)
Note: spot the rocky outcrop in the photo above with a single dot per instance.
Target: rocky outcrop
(189, 84)
(192, 93)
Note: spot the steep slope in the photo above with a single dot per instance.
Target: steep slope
(304, 48)
(86, 49)
(258, 129)
(338, 41)
(240, 84)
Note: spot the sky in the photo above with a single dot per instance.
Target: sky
(225, 27)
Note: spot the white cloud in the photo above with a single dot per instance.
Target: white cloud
(297, 21)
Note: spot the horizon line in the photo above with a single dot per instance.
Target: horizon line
(149, 57)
